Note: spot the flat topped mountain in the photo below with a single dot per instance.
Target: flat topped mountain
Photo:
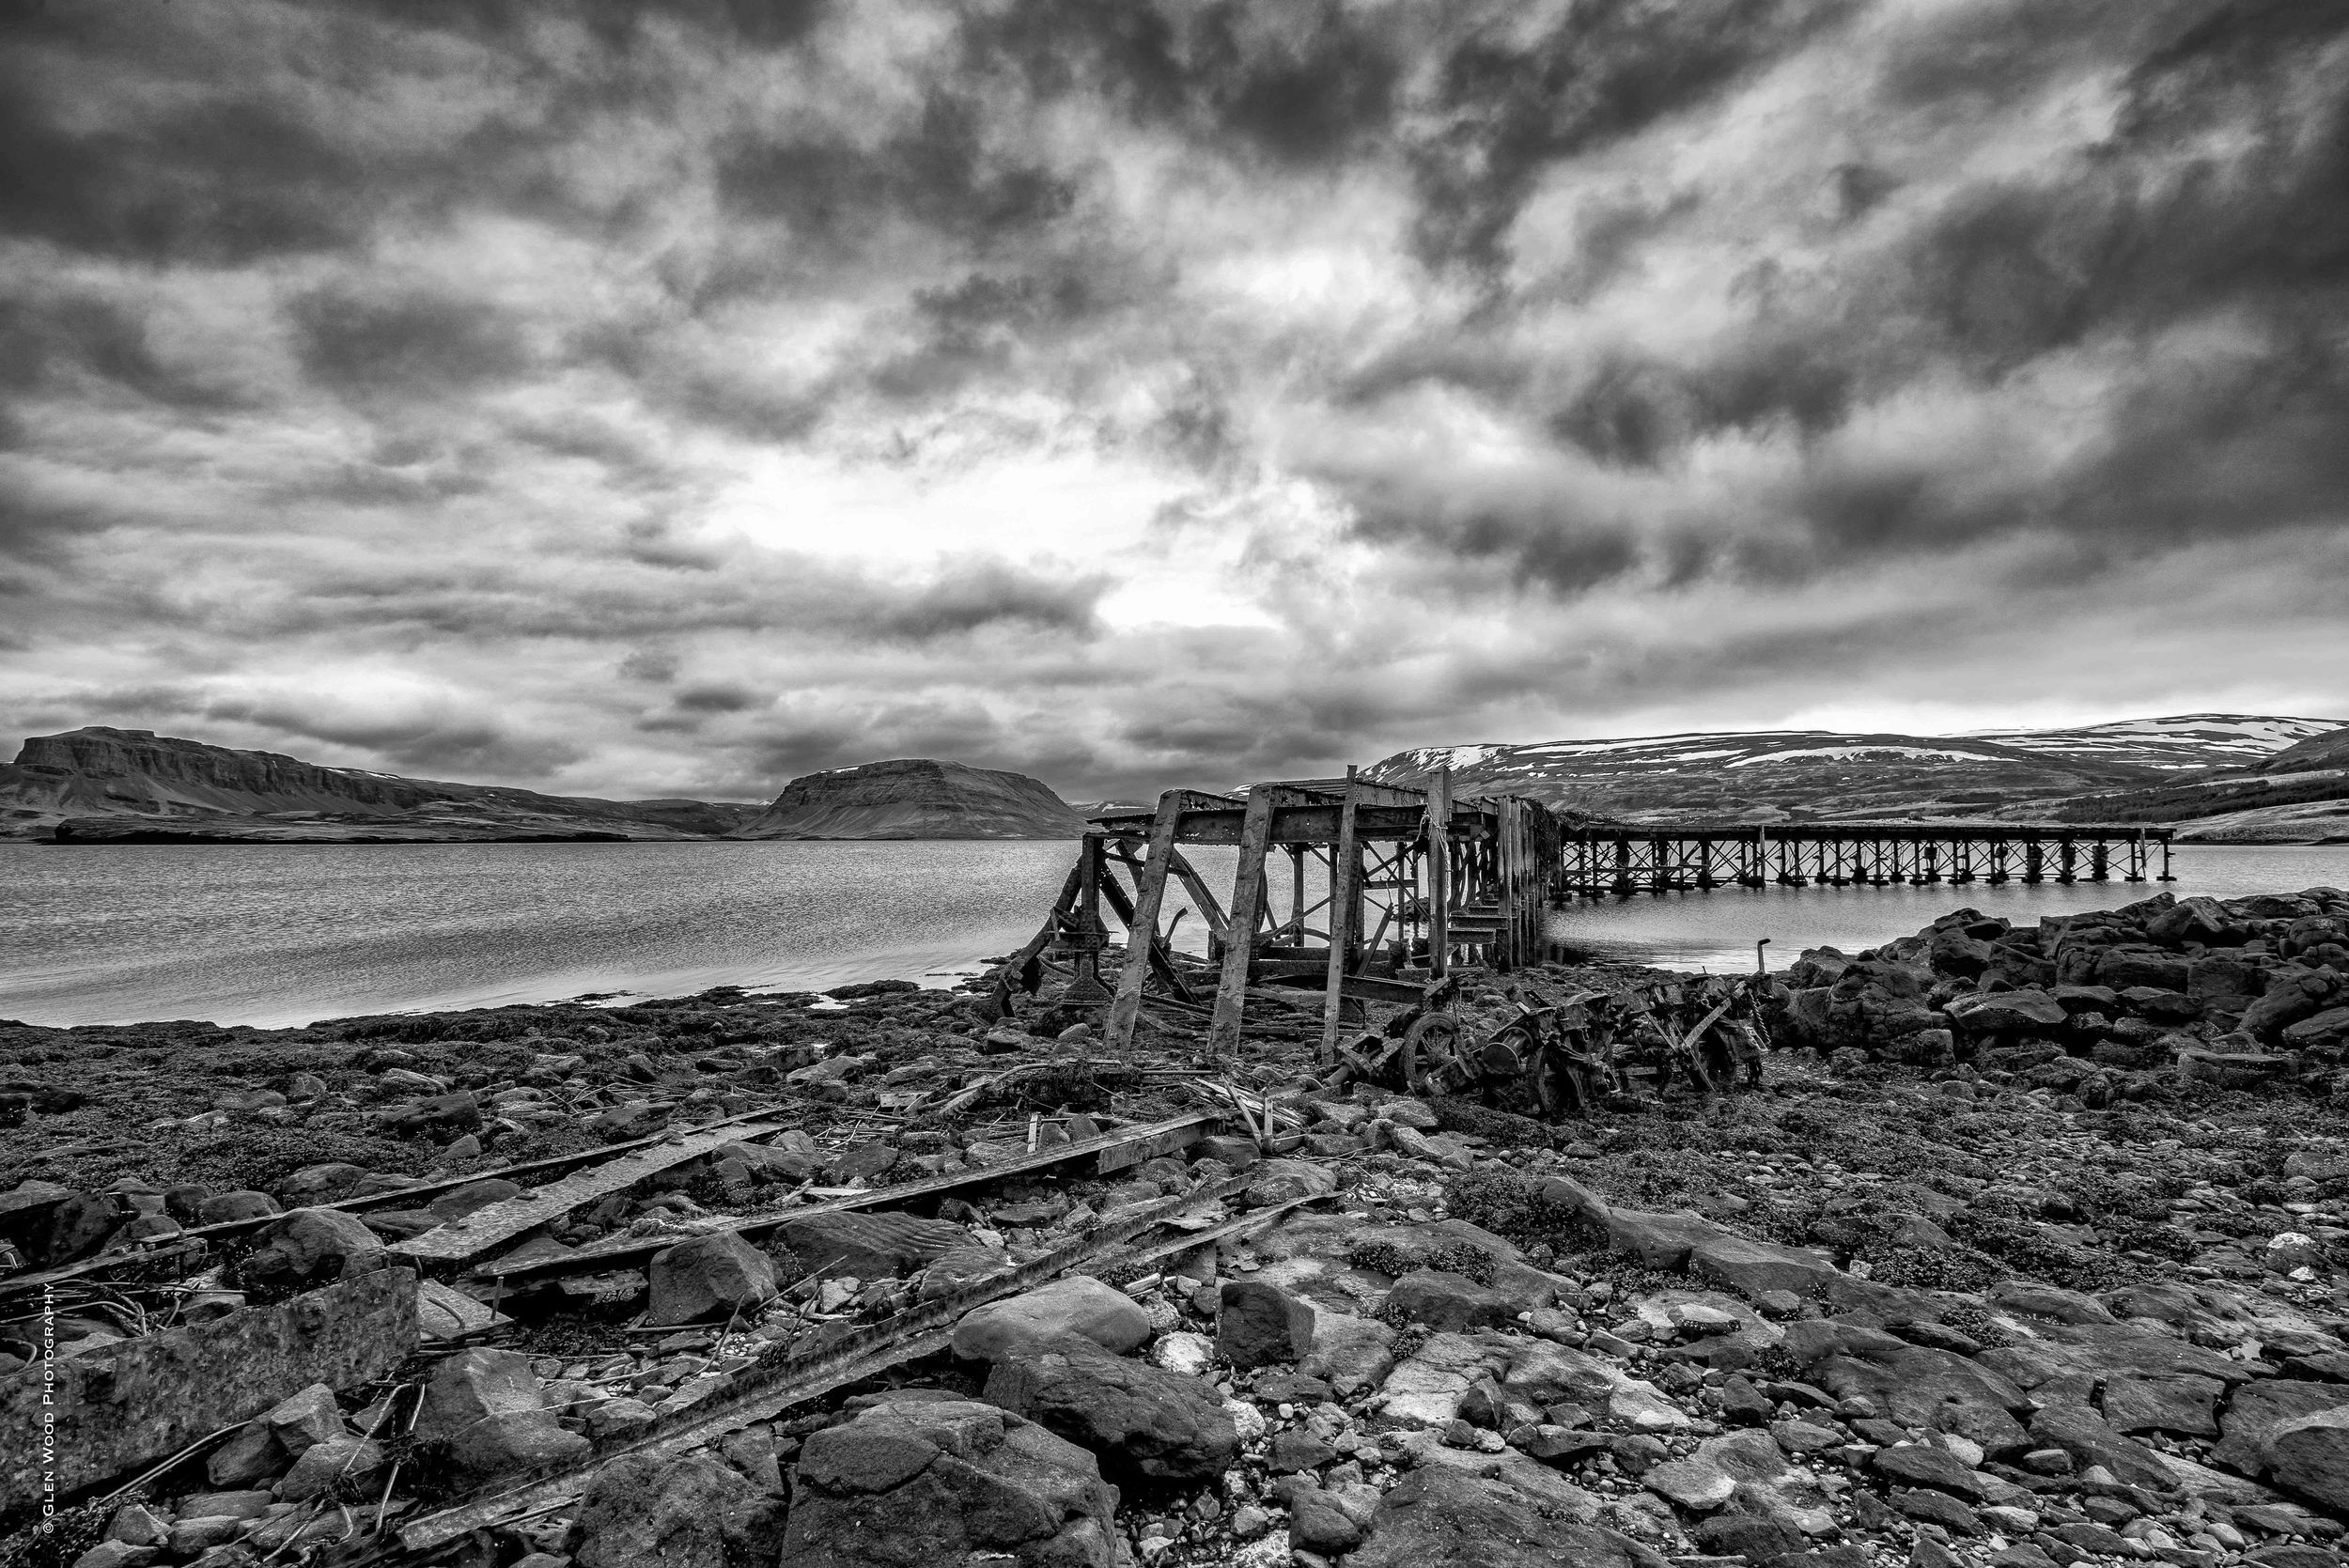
(108, 785)
(916, 797)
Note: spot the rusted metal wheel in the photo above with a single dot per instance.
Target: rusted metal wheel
(1720, 1062)
(1434, 1062)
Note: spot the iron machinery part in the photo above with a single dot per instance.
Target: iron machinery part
(1569, 1086)
(1435, 1062)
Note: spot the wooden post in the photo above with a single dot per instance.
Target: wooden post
(1506, 850)
(1143, 935)
(1438, 873)
(1345, 888)
(1240, 941)
(1297, 893)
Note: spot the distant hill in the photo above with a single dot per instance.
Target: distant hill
(915, 798)
(2091, 772)
(2329, 750)
(100, 785)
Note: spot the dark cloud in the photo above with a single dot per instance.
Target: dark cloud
(1211, 388)
(1513, 107)
(419, 343)
(220, 181)
(988, 593)
(938, 173)
(719, 698)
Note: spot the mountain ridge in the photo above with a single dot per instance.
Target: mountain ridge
(101, 785)
(2180, 767)
(914, 798)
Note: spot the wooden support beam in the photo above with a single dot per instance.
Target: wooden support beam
(1161, 964)
(1142, 929)
(1345, 875)
(1509, 851)
(1014, 969)
(1438, 873)
(1087, 935)
(1239, 941)
(1201, 896)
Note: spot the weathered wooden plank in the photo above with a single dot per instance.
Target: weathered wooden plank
(461, 1240)
(130, 1403)
(1142, 928)
(1240, 941)
(1345, 872)
(1140, 1149)
(628, 1252)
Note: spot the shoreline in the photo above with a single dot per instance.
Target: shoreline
(1908, 1286)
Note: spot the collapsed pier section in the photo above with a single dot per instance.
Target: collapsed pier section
(1412, 882)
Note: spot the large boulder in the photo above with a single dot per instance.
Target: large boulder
(2259, 1408)
(2089, 1439)
(1078, 1304)
(2007, 1013)
(1257, 1325)
(2309, 1455)
(1754, 1269)
(946, 1483)
(311, 1247)
(1446, 1516)
(52, 1225)
(490, 1411)
(1934, 1389)
(708, 1275)
(690, 1512)
(2194, 920)
(1448, 1303)
(1140, 1422)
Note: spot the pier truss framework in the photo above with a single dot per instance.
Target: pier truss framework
(1596, 862)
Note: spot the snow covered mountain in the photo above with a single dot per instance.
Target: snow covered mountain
(1775, 775)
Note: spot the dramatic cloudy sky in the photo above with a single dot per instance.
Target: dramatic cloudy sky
(652, 398)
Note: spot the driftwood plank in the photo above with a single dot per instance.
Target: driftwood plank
(1112, 1151)
(462, 1239)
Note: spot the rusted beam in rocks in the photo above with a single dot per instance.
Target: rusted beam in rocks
(131, 1402)
(761, 1394)
(1245, 1225)
(463, 1239)
(1112, 1151)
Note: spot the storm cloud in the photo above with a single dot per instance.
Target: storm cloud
(661, 399)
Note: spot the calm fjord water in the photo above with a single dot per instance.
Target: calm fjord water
(283, 934)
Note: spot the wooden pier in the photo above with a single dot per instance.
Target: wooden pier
(1597, 861)
(1413, 881)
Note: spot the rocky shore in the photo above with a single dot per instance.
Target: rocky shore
(2029, 1252)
